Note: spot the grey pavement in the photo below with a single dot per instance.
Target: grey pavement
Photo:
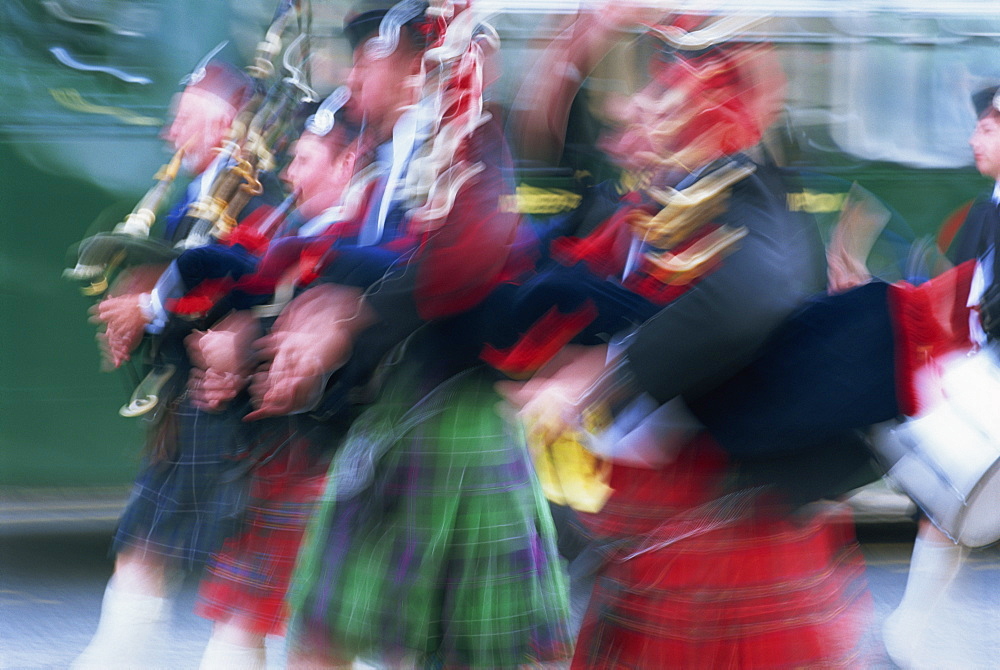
(51, 583)
(54, 564)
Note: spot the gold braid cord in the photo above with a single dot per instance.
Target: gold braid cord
(685, 213)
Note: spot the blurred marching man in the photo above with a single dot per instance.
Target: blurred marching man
(183, 503)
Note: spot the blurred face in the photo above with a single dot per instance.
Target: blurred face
(678, 144)
(632, 142)
(652, 128)
(380, 89)
(200, 124)
(985, 143)
(689, 114)
(318, 173)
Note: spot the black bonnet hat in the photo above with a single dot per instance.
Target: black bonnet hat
(365, 17)
(985, 100)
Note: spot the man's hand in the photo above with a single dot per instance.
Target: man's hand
(122, 315)
(222, 358)
(124, 325)
(549, 401)
(311, 339)
(296, 371)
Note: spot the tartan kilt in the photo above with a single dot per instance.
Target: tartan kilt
(184, 505)
(447, 552)
(698, 577)
(247, 580)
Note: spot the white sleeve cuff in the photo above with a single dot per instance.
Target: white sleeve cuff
(156, 314)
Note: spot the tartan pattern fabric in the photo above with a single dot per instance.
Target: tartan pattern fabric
(698, 577)
(183, 506)
(247, 580)
(448, 554)
(931, 322)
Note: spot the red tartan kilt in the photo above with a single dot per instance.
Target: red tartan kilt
(644, 498)
(766, 591)
(246, 582)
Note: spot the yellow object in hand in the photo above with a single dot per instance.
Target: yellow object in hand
(569, 473)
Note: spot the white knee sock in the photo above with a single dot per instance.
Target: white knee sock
(223, 655)
(129, 623)
(933, 567)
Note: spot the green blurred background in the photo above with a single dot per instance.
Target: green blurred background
(78, 149)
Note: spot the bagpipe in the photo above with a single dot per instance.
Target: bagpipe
(440, 165)
(100, 256)
(441, 162)
(245, 153)
(211, 274)
(255, 137)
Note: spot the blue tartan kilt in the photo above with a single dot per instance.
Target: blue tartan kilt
(184, 505)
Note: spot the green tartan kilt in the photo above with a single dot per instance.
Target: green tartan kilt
(432, 538)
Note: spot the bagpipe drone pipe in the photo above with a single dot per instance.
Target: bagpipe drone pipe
(245, 159)
(99, 257)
